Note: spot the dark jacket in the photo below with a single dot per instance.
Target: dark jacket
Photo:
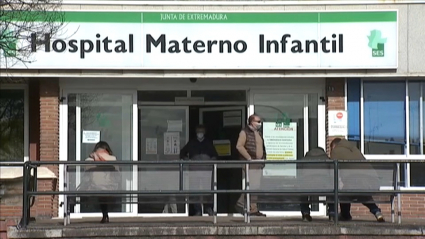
(354, 176)
(194, 149)
(315, 175)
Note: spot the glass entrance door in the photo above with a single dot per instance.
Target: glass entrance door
(298, 112)
(94, 117)
(163, 131)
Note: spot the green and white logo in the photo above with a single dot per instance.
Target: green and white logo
(282, 120)
(377, 43)
(8, 43)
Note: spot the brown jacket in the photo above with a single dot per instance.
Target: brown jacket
(355, 176)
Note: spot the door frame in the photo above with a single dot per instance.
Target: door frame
(243, 123)
(63, 146)
(321, 133)
(186, 108)
(224, 108)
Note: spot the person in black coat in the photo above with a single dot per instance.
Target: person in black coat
(313, 176)
(200, 148)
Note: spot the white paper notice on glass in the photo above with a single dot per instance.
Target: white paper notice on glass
(281, 144)
(175, 125)
(91, 137)
(337, 123)
(171, 143)
(151, 145)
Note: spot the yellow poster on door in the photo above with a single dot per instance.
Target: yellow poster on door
(223, 147)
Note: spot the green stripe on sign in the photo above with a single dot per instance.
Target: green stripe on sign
(335, 17)
(110, 17)
(207, 17)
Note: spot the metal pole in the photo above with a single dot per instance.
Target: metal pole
(215, 194)
(248, 201)
(336, 188)
(24, 220)
(398, 194)
(65, 198)
(392, 197)
(181, 177)
(181, 183)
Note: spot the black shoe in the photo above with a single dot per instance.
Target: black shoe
(257, 214)
(307, 218)
(104, 220)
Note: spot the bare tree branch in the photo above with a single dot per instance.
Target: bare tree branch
(24, 25)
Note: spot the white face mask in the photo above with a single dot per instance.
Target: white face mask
(258, 126)
(200, 135)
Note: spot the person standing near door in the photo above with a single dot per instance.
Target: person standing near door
(251, 147)
(200, 148)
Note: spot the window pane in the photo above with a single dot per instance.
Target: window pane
(12, 125)
(384, 117)
(417, 176)
(414, 117)
(353, 107)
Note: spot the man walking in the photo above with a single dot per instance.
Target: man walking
(341, 149)
(251, 147)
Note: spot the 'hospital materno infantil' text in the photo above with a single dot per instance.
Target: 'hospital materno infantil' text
(163, 44)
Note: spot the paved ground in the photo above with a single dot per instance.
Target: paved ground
(203, 226)
(208, 221)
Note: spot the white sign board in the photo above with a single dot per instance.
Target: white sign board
(228, 40)
(337, 123)
(151, 146)
(91, 137)
(281, 144)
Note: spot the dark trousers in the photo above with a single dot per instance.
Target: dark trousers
(305, 207)
(346, 207)
(104, 209)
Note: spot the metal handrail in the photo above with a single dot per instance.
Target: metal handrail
(336, 192)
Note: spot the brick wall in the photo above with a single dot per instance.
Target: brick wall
(49, 131)
(44, 145)
(335, 94)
